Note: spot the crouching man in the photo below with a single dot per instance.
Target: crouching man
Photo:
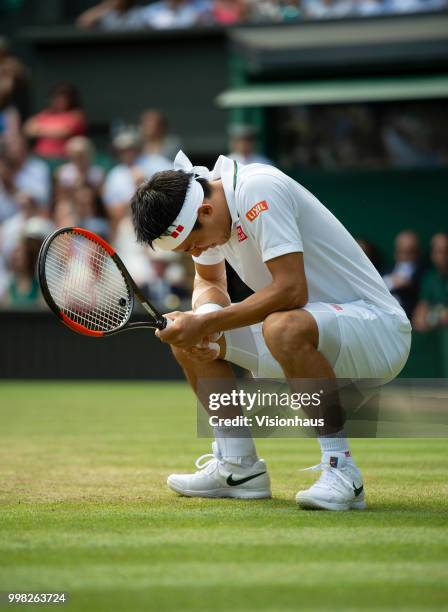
(320, 310)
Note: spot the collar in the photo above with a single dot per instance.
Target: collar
(226, 169)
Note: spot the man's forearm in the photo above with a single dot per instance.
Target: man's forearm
(205, 292)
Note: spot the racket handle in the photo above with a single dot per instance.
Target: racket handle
(164, 323)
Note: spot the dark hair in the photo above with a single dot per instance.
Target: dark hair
(68, 90)
(158, 201)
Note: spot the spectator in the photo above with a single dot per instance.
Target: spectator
(14, 82)
(367, 8)
(11, 229)
(407, 139)
(31, 174)
(328, 9)
(134, 255)
(112, 15)
(64, 213)
(263, 11)
(229, 12)
(170, 14)
(80, 169)
(55, 125)
(372, 252)
(432, 309)
(242, 146)
(160, 290)
(403, 280)
(90, 211)
(23, 285)
(8, 190)
(124, 178)
(156, 138)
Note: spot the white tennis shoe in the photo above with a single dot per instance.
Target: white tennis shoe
(218, 478)
(340, 486)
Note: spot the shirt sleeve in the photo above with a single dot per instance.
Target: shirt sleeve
(270, 216)
(209, 257)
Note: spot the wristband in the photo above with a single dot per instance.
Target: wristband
(210, 307)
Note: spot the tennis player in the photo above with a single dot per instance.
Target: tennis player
(320, 310)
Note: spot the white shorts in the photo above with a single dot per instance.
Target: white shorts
(358, 339)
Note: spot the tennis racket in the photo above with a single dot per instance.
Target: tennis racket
(87, 286)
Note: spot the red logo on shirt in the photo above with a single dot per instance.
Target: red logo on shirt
(336, 307)
(259, 207)
(241, 235)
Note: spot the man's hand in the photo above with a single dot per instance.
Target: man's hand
(185, 332)
(204, 353)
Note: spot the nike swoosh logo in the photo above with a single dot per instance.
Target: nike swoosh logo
(233, 483)
(358, 491)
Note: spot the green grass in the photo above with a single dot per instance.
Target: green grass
(84, 508)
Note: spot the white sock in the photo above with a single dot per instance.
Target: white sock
(238, 450)
(334, 443)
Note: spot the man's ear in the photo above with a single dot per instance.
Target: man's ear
(205, 209)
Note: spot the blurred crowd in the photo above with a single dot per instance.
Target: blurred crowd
(396, 134)
(169, 14)
(420, 285)
(51, 177)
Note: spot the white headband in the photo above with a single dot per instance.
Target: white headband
(182, 225)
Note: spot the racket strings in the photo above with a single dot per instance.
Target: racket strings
(86, 284)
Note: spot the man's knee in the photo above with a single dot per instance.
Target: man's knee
(290, 332)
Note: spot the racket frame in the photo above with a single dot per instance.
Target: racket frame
(157, 320)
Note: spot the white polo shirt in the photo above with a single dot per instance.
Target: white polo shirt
(273, 215)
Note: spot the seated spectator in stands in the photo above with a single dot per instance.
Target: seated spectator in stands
(168, 286)
(403, 280)
(407, 138)
(64, 213)
(409, 6)
(54, 126)
(229, 12)
(31, 174)
(366, 8)
(12, 228)
(9, 123)
(80, 169)
(243, 146)
(432, 309)
(372, 253)
(112, 15)
(90, 211)
(263, 11)
(156, 138)
(23, 286)
(124, 178)
(134, 255)
(8, 190)
(328, 9)
(14, 83)
(171, 14)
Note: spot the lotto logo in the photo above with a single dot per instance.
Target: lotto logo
(175, 233)
(241, 235)
(259, 207)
